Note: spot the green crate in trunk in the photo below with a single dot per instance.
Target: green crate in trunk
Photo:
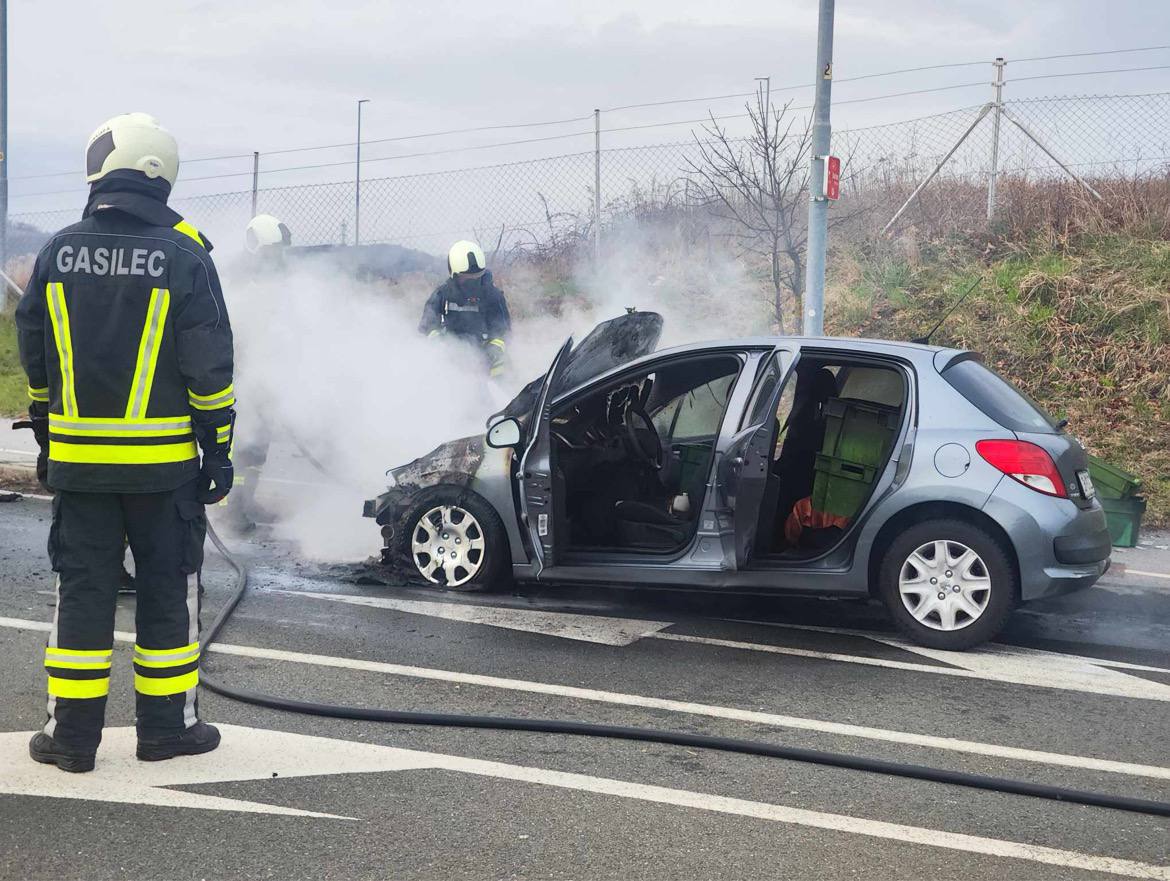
(841, 487)
(859, 432)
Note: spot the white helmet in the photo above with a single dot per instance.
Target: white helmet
(133, 141)
(265, 231)
(465, 257)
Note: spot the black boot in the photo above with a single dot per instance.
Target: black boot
(47, 751)
(199, 738)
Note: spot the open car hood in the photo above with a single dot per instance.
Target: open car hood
(610, 344)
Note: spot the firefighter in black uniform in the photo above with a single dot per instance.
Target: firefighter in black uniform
(126, 342)
(266, 240)
(470, 307)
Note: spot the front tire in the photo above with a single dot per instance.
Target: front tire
(948, 584)
(452, 539)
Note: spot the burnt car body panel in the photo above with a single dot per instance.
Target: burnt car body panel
(720, 555)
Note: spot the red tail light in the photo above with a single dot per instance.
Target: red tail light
(1029, 464)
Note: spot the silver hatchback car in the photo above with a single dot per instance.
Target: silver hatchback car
(815, 466)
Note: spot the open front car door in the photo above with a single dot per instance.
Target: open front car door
(536, 483)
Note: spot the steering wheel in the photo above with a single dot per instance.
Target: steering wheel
(647, 448)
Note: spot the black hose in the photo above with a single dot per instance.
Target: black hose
(651, 735)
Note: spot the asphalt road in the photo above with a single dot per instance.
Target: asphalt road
(1078, 694)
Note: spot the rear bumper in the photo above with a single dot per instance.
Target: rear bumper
(1082, 547)
(1060, 548)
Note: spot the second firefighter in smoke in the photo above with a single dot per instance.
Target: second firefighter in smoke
(468, 306)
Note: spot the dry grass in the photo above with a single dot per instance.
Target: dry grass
(1082, 325)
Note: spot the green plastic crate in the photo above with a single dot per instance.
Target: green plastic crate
(858, 432)
(1124, 517)
(1111, 482)
(841, 487)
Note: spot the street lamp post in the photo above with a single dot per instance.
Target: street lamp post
(357, 182)
(818, 206)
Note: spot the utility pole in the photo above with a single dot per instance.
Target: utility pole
(255, 178)
(357, 178)
(818, 205)
(596, 188)
(3, 140)
(995, 120)
(767, 81)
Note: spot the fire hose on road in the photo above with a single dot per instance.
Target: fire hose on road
(647, 735)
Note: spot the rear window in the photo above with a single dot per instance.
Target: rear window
(998, 398)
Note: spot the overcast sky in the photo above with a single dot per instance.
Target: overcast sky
(232, 77)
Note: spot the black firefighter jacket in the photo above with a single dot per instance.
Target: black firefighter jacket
(124, 334)
(472, 308)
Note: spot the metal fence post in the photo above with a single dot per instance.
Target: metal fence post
(597, 187)
(995, 120)
(255, 179)
(4, 143)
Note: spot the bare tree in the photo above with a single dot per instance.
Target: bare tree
(759, 185)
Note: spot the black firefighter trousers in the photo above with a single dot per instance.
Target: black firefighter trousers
(165, 531)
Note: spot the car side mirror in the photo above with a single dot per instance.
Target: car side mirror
(505, 433)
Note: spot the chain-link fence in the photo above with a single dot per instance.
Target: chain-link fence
(532, 203)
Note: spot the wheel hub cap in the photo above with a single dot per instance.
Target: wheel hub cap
(945, 585)
(447, 545)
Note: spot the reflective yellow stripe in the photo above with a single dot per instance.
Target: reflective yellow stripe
(117, 426)
(148, 348)
(117, 454)
(188, 230)
(79, 653)
(78, 665)
(78, 660)
(79, 688)
(166, 657)
(59, 315)
(160, 687)
(223, 398)
(498, 343)
(38, 394)
(222, 433)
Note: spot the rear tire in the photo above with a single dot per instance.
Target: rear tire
(452, 539)
(948, 584)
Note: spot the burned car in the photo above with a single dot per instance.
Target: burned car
(815, 466)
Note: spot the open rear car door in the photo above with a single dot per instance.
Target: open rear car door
(744, 469)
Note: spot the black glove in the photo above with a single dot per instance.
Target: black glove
(38, 421)
(216, 475)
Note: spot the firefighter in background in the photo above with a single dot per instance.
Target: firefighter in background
(125, 339)
(470, 307)
(266, 240)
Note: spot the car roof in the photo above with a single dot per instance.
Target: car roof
(922, 355)
(916, 351)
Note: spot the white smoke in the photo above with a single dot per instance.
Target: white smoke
(334, 370)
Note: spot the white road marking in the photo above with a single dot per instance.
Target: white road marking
(567, 625)
(25, 495)
(246, 754)
(1145, 574)
(255, 754)
(993, 662)
(757, 717)
(31, 455)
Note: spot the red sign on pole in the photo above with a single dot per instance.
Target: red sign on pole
(832, 177)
